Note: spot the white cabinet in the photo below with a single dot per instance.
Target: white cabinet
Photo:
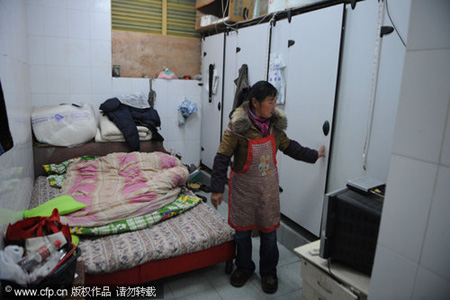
(212, 57)
(319, 285)
(329, 282)
(310, 46)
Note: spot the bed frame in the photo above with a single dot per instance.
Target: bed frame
(146, 272)
(167, 267)
(44, 154)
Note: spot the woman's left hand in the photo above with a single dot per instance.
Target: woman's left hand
(321, 152)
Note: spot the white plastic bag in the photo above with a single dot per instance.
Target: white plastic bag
(64, 125)
(276, 76)
(138, 100)
(9, 269)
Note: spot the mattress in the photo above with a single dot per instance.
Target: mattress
(197, 229)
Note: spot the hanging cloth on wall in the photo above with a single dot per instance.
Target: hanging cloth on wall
(241, 82)
(276, 76)
(6, 141)
(151, 95)
(185, 110)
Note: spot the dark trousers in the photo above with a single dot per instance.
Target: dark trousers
(268, 252)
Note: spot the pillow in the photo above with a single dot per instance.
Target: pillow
(65, 205)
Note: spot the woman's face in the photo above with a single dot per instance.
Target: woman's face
(266, 108)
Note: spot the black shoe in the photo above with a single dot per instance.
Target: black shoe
(239, 278)
(269, 284)
(205, 188)
(204, 199)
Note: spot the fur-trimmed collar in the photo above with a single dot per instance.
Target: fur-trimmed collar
(240, 121)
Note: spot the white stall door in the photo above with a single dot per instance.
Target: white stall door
(212, 57)
(310, 45)
(247, 46)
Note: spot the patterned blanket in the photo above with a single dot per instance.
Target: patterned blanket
(57, 172)
(181, 204)
(121, 186)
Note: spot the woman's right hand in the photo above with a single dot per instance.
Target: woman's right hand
(216, 199)
(321, 152)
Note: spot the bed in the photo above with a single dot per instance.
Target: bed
(193, 239)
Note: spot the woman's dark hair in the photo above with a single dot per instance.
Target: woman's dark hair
(259, 91)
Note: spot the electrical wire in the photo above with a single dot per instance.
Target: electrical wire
(393, 25)
(374, 83)
(375, 76)
(331, 273)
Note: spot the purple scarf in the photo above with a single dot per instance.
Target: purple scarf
(261, 123)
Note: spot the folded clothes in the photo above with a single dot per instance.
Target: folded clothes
(108, 132)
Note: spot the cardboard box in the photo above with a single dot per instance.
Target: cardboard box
(237, 10)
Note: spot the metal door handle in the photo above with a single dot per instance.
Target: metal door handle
(218, 106)
(210, 81)
(326, 128)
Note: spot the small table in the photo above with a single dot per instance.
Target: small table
(318, 283)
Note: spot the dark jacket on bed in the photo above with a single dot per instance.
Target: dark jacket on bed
(127, 117)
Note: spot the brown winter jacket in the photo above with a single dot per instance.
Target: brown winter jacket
(240, 124)
(235, 145)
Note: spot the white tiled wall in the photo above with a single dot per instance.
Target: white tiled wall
(59, 51)
(69, 51)
(16, 173)
(412, 259)
(70, 61)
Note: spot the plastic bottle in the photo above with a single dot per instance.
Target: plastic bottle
(35, 258)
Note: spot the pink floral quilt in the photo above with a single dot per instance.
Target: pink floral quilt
(120, 186)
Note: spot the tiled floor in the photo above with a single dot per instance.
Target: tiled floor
(213, 283)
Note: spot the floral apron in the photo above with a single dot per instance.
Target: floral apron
(253, 200)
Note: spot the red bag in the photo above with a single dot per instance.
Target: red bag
(18, 232)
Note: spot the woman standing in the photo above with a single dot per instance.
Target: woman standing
(253, 136)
